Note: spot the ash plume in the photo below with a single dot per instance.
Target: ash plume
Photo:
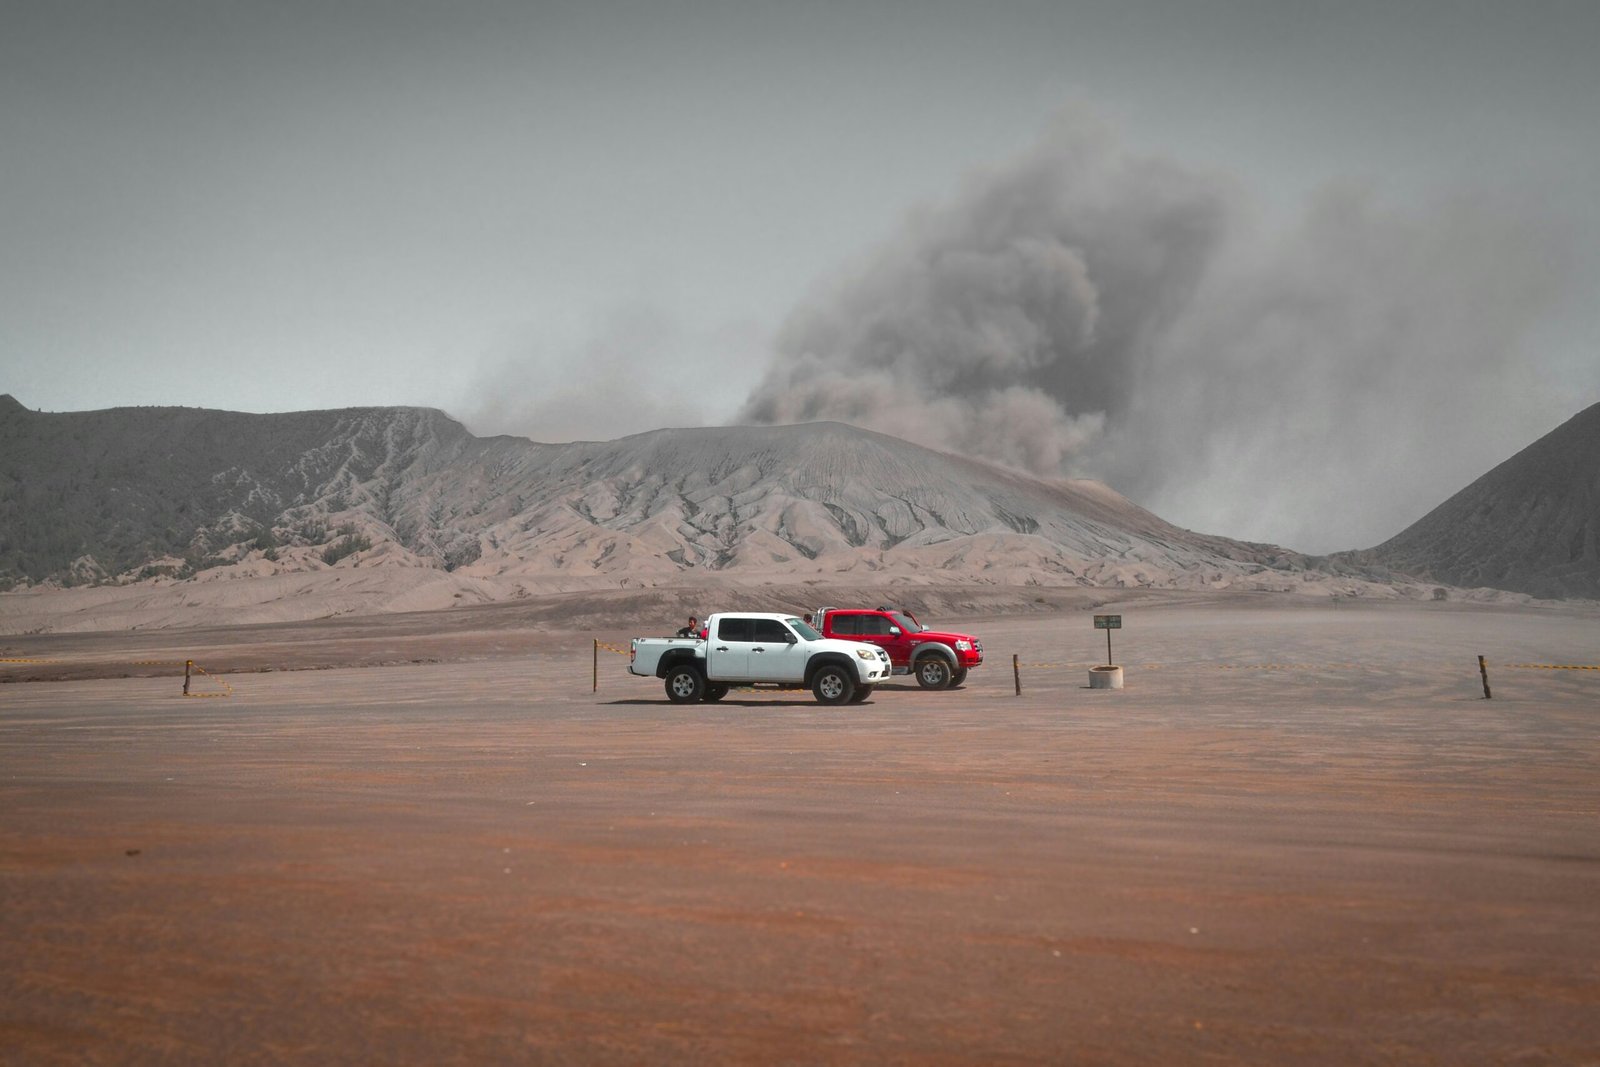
(1085, 310)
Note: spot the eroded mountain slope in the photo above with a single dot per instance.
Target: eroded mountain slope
(152, 492)
(1532, 524)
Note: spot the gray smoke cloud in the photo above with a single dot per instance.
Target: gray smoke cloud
(1086, 310)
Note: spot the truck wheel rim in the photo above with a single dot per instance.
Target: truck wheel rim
(832, 686)
(932, 672)
(683, 685)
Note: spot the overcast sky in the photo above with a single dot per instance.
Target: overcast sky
(1278, 271)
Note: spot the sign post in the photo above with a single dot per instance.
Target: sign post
(1108, 623)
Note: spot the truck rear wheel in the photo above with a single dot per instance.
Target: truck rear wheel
(933, 673)
(685, 685)
(833, 685)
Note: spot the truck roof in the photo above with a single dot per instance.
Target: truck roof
(865, 611)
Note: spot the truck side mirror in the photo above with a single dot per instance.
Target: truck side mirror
(790, 639)
(894, 631)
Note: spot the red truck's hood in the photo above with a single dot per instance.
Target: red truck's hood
(941, 635)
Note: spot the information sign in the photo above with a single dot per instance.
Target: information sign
(1108, 623)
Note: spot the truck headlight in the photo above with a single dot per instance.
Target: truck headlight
(867, 653)
(963, 646)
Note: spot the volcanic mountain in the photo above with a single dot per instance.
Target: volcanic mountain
(1532, 524)
(132, 494)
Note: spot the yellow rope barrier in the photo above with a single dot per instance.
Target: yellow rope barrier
(226, 691)
(1319, 666)
(106, 662)
(1553, 666)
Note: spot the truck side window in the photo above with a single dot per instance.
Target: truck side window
(847, 625)
(876, 625)
(770, 630)
(733, 629)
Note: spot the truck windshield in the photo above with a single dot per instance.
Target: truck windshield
(803, 629)
(906, 623)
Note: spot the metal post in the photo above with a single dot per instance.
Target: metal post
(1109, 660)
(188, 665)
(596, 688)
(1483, 669)
(1016, 673)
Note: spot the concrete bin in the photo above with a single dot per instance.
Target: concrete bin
(1107, 677)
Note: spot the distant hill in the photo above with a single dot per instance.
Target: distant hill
(1531, 525)
(133, 494)
(98, 493)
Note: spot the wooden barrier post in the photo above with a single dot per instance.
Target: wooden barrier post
(1483, 669)
(596, 688)
(1016, 673)
(188, 666)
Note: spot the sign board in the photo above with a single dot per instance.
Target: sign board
(1108, 622)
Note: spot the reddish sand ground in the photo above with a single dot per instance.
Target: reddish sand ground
(1300, 835)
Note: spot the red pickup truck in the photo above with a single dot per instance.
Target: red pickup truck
(939, 659)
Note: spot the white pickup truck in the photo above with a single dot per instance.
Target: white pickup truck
(751, 647)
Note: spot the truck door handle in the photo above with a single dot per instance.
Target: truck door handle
(758, 648)
(722, 648)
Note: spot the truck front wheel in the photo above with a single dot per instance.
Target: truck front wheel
(685, 685)
(933, 672)
(833, 685)
(958, 677)
(715, 691)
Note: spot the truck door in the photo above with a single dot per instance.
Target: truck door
(880, 630)
(761, 650)
(776, 655)
(728, 650)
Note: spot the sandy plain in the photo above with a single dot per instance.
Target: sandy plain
(1299, 835)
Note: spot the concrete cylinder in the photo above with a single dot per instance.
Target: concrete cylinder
(1105, 677)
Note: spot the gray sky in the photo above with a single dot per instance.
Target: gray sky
(590, 219)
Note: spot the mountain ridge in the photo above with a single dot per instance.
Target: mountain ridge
(149, 495)
(1531, 524)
